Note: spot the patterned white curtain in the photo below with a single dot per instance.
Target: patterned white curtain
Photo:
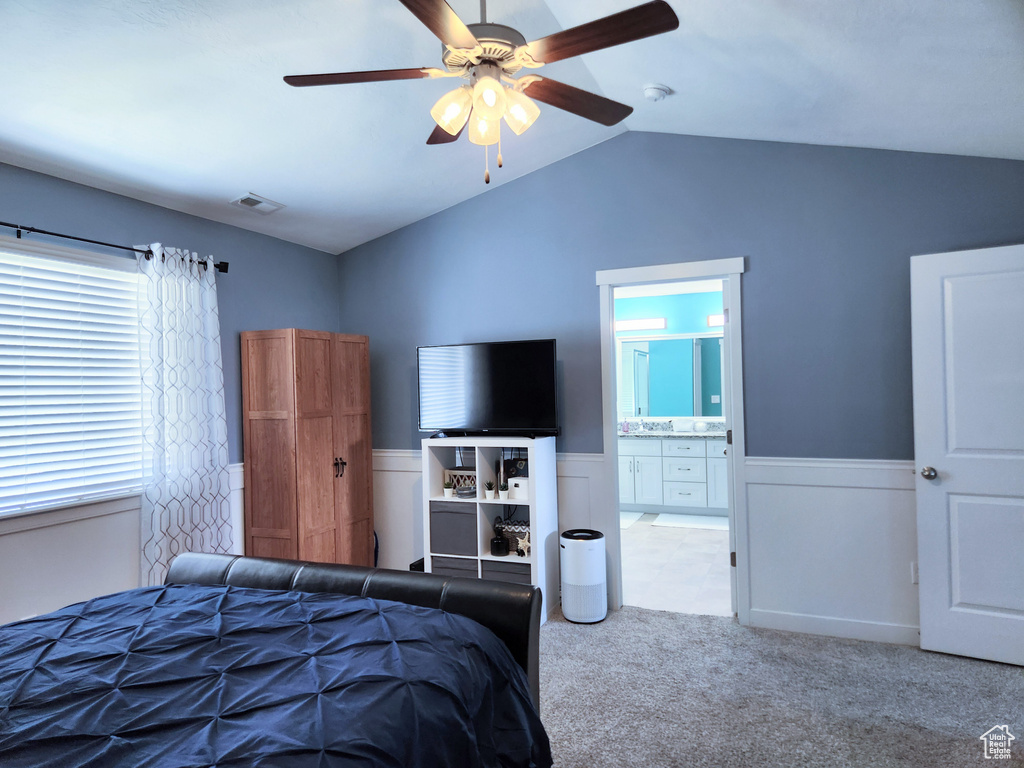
(185, 449)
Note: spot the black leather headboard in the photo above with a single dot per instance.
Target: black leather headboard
(511, 611)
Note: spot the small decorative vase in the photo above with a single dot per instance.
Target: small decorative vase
(502, 494)
(499, 546)
(489, 494)
(449, 492)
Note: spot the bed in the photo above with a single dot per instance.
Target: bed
(240, 661)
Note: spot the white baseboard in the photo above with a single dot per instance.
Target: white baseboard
(879, 632)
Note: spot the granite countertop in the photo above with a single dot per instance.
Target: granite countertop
(673, 435)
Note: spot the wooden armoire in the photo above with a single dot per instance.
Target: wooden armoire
(306, 426)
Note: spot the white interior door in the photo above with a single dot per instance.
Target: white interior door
(968, 356)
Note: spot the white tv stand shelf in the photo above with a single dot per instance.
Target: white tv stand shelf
(457, 532)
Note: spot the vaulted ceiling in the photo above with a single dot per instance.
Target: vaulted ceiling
(181, 102)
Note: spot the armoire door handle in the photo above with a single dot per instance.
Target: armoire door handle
(340, 465)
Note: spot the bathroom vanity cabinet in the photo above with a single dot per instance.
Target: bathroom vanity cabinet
(685, 474)
(640, 472)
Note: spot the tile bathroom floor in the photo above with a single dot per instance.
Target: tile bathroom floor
(684, 570)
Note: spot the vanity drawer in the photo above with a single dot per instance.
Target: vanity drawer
(680, 447)
(686, 494)
(717, 448)
(639, 446)
(684, 470)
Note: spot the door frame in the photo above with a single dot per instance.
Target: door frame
(730, 271)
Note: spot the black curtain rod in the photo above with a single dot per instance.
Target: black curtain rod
(220, 266)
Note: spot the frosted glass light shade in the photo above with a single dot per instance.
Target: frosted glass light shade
(489, 98)
(483, 131)
(452, 110)
(520, 111)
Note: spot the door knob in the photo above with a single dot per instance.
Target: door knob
(929, 473)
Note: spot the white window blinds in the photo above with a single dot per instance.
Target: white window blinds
(70, 391)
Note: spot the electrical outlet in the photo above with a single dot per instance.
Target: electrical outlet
(913, 572)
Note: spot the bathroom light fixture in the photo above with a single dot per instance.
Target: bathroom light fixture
(644, 324)
(716, 321)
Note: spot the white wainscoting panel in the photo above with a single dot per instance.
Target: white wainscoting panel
(831, 542)
(398, 507)
(831, 547)
(398, 500)
(236, 501)
(52, 559)
(583, 491)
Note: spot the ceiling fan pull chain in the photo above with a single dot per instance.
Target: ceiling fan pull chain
(487, 171)
(499, 144)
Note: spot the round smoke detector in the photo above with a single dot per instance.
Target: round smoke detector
(655, 92)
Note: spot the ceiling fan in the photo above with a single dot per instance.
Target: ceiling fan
(488, 55)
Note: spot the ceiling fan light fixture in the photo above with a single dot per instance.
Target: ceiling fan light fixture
(452, 110)
(483, 131)
(520, 112)
(488, 92)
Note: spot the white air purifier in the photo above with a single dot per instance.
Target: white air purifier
(584, 576)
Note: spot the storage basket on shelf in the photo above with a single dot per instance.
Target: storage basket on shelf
(461, 477)
(518, 535)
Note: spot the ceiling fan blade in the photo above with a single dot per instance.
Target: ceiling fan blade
(440, 19)
(635, 24)
(579, 102)
(441, 136)
(342, 78)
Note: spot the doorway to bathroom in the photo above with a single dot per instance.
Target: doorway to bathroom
(671, 438)
(672, 371)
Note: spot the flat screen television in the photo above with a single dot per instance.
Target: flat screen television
(503, 387)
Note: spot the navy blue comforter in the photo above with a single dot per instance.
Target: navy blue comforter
(188, 675)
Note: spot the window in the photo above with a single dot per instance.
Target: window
(70, 387)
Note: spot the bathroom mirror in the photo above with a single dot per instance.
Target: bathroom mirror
(670, 377)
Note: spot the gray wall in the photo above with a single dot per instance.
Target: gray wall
(827, 232)
(271, 283)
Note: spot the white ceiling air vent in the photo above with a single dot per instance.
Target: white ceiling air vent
(251, 202)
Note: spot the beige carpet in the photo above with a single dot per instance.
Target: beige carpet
(656, 690)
